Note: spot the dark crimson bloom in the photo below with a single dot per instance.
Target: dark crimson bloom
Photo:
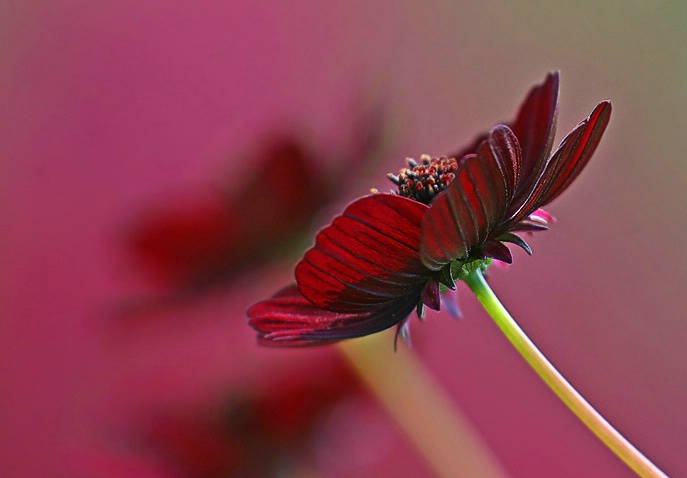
(264, 432)
(212, 234)
(215, 233)
(388, 254)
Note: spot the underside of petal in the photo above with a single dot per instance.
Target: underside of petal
(463, 216)
(575, 151)
(539, 108)
(535, 128)
(505, 151)
(288, 319)
(567, 162)
(368, 256)
(430, 295)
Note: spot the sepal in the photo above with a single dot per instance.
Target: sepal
(497, 250)
(517, 240)
(430, 295)
(446, 278)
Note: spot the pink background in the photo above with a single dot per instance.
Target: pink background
(105, 106)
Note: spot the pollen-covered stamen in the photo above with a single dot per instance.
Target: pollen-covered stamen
(423, 181)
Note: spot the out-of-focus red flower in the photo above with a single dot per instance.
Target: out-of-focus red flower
(264, 432)
(211, 235)
(387, 254)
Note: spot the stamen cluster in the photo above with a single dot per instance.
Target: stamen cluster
(423, 181)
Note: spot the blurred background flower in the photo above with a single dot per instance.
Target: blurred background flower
(109, 105)
(305, 423)
(254, 211)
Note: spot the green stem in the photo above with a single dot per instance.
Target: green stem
(579, 406)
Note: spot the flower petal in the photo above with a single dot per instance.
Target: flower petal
(368, 256)
(463, 216)
(289, 319)
(430, 295)
(576, 150)
(506, 152)
(535, 128)
(571, 156)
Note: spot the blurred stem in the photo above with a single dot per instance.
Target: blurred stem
(556, 382)
(416, 402)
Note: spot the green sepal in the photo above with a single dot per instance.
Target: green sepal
(446, 279)
(517, 240)
(421, 310)
(462, 270)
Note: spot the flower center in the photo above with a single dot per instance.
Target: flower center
(423, 181)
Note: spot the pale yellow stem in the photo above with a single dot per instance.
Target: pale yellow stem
(618, 444)
(405, 388)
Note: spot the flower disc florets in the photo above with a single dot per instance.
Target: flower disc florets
(422, 182)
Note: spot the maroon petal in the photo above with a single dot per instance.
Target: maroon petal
(505, 151)
(535, 122)
(289, 319)
(368, 256)
(576, 150)
(464, 214)
(571, 156)
(430, 295)
(535, 128)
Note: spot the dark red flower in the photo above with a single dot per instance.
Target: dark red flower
(387, 254)
(214, 233)
(262, 431)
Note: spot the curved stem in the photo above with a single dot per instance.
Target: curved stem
(575, 402)
(408, 393)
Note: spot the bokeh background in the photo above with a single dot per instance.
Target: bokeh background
(108, 109)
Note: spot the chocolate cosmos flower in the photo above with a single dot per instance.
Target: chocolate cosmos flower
(266, 431)
(388, 254)
(195, 242)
